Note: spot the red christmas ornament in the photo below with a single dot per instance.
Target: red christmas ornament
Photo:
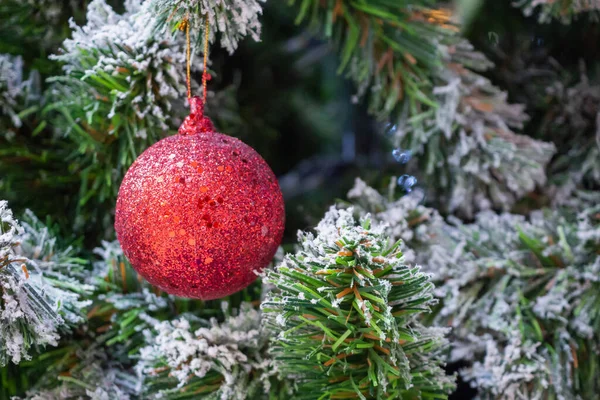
(199, 212)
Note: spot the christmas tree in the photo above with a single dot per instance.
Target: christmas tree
(439, 165)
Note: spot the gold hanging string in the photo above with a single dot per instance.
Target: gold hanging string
(204, 72)
(188, 56)
(185, 25)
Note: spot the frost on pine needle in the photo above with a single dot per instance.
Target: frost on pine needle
(94, 376)
(564, 11)
(40, 288)
(224, 360)
(572, 121)
(344, 311)
(232, 19)
(10, 233)
(404, 218)
(123, 299)
(522, 295)
(467, 145)
(122, 89)
(11, 78)
(15, 92)
(126, 68)
(510, 372)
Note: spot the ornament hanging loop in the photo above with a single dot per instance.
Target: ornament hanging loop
(205, 75)
(196, 122)
(185, 25)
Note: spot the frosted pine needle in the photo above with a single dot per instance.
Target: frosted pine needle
(527, 289)
(231, 20)
(122, 90)
(468, 147)
(226, 361)
(344, 306)
(39, 289)
(564, 11)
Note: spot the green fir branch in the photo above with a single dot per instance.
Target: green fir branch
(42, 294)
(345, 308)
(231, 20)
(563, 10)
(523, 297)
(122, 90)
(388, 48)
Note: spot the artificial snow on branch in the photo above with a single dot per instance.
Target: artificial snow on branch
(127, 67)
(232, 19)
(572, 121)
(563, 10)
(40, 288)
(468, 145)
(225, 361)
(389, 49)
(522, 297)
(345, 308)
(92, 375)
(123, 300)
(521, 294)
(404, 218)
(121, 305)
(123, 89)
(15, 92)
(426, 78)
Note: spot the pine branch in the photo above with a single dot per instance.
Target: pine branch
(125, 304)
(523, 298)
(124, 325)
(123, 89)
(15, 94)
(34, 28)
(191, 358)
(100, 359)
(91, 375)
(563, 10)
(28, 153)
(232, 19)
(345, 307)
(563, 101)
(421, 74)
(520, 293)
(388, 49)
(468, 147)
(40, 287)
(571, 109)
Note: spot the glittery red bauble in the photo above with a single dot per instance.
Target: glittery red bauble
(199, 212)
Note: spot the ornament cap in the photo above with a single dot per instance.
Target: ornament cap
(196, 122)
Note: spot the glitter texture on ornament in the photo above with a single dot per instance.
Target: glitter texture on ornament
(199, 212)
